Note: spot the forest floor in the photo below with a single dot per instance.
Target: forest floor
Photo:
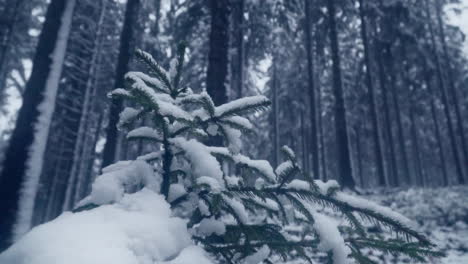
(441, 214)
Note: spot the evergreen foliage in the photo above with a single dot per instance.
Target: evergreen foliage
(242, 210)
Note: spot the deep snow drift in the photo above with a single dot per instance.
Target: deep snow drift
(138, 229)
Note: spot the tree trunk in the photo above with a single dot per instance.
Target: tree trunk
(379, 156)
(237, 72)
(345, 171)
(17, 154)
(431, 94)
(311, 84)
(453, 90)
(397, 108)
(125, 55)
(276, 143)
(445, 102)
(218, 55)
(320, 59)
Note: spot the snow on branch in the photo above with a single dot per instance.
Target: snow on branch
(243, 105)
(119, 178)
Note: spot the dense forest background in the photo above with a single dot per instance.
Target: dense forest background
(372, 93)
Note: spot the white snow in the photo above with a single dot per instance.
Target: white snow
(212, 129)
(172, 68)
(366, 204)
(325, 186)
(138, 229)
(262, 166)
(119, 91)
(233, 181)
(258, 256)
(191, 255)
(41, 128)
(210, 226)
(147, 79)
(204, 208)
(238, 208)
(150, 156)
(163, 101)
(240, 103)
(299, 185)
(288, 150)
(268, 203)
(176, 190)
(233, 138)
(241, 121)
(203, 163)
(123, 176)
(214, 184)
(127, 115)
(283, 167)
(145, 132)
(330, 238)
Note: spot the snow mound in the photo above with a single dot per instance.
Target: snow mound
(138, 229)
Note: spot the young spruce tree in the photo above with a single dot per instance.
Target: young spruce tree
(280, 216)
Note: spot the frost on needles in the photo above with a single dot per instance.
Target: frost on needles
(284, 215)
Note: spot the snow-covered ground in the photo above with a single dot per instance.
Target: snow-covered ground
(441, 213)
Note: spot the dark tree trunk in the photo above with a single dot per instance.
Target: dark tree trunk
(431, 94)
(359, 155)
(445, 103)
(237, 77)
(379, 156)
(320, 59)
(345, 171)
(16, 156)
(125, 55)
(393, 171)
(275, 88)
(397, 108)
(218, 55)
(311, 84)
(453, 89)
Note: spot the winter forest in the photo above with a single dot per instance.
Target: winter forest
(233, 131)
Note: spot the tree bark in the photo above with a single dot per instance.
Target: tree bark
(17, 154)
(376, 135)
(312, 93)
(344, 156)
(237, 72)
(125, 55)
(440, 80)
(218, 55)
(453, 89)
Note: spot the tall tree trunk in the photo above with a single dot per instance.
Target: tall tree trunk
(17, 155)
(344, 156)
(237, 78)
(431, 94)
(453, 89)
(125, 55)
(218, 55)
(359, 155)
(379, 156)
(445, 103)
(398, 114)
(276, 143)
(311, 84)
(416, 148)
(320, 60)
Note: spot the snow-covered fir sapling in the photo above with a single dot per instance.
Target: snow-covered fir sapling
(282, 216)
